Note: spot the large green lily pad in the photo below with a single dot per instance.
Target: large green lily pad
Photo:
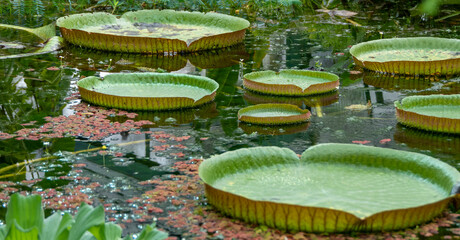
(148, 91)
(421, 55)
(273, 114)
(436, 112)
(153, 31)
(291, 82)
(331, 188)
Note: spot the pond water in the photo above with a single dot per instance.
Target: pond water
(360, 112)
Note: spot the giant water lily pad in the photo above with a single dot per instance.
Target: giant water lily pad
(291, 82)
(331, 188)
(439, 113)
(273, 114)
(148, 91)
(153, 31)
(422, 55)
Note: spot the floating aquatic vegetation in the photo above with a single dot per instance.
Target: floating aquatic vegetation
(333, 188)
(87, 122)
(273, 114)
(153, 31)
(291, 82)
(415, 56)
(148, 91)
(440, 113)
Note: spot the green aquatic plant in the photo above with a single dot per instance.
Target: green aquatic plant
(25, 220)
(273, 114)
(440, 113)
(415, 56)
(291, 82)
(153, 31)
(148, 91)
(331, 188)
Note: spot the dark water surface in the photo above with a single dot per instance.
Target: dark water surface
(31, 91)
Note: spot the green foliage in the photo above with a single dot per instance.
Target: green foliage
(25, 220)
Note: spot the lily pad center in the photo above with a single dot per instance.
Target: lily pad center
(334, 186)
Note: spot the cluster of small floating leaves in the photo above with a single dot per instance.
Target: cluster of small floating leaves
(88, 122)
(69, 197)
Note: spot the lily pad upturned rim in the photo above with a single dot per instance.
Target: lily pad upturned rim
(429, 67)
(302, 115)
(405, 116)
(295, 218)
(250, 82)
(147, 103)
(71, 25)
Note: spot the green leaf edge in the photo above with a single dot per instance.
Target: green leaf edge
(71, 30)
(300, 116)
(250, 82)
(85, 86)
(405, 116)
(433, 67)
(427, 167)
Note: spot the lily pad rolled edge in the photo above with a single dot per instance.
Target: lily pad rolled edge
(435, 67)
(69, 27)
(250, 82)
(295, 218)
(301, 116)
(148, 103)
(431, 123)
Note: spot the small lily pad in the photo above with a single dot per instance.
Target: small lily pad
(440, 113)
(421, 55)
(148, 91)
(273, 114)
(153, 31)
(331, 188)
(291, 82)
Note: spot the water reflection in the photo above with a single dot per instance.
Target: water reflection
(397, 82)
(87, 59)
(302, 102)
(273, 130)
(174, 118)
(431, 141)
